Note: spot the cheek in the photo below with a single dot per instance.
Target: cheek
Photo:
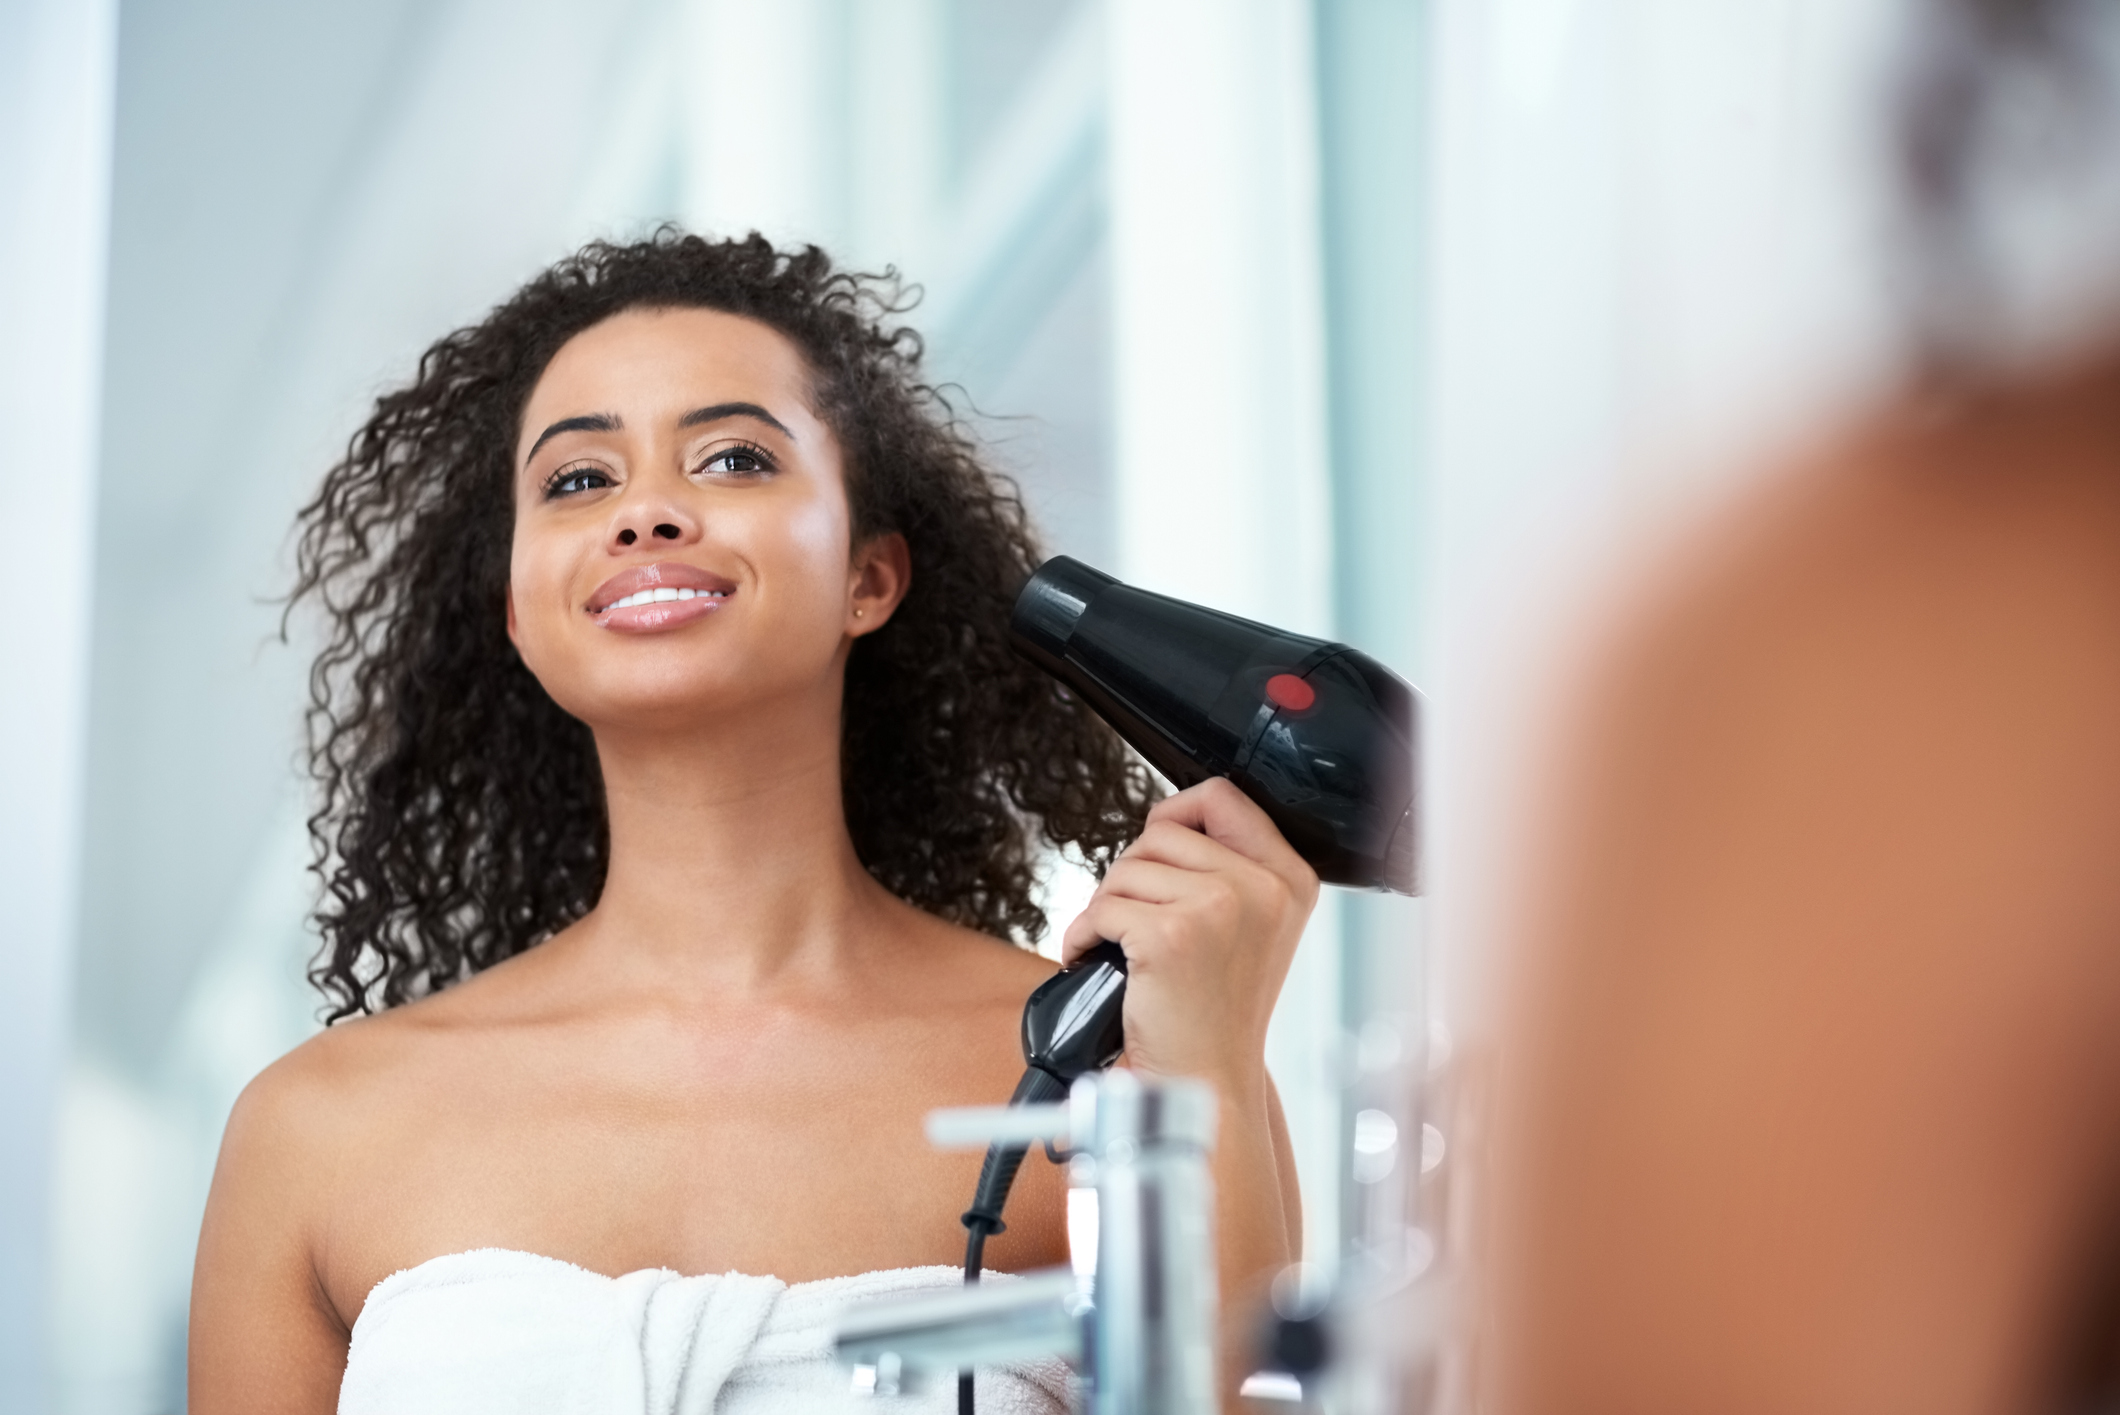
(810, 541)
(537, 585)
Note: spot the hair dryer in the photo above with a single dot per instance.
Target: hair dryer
(1322, 737)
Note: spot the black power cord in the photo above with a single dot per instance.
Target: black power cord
(974, 1249)
(996, 1177)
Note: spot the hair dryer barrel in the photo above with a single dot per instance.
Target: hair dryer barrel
(1321, 736)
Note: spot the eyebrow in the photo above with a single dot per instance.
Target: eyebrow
(591, 422)
(714, 413)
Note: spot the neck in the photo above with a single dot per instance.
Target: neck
(730, 862)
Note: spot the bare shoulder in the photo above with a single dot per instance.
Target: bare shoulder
(1896, 670)
(1938, 574)
(291, 1124)
(331, 1098)
(1852, 759)
(1832, 878)
(975, 964)
(1010, 966)
(266, 1331)
(300, 1106)
(998, 975)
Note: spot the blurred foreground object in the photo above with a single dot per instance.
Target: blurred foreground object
(1810, 1072)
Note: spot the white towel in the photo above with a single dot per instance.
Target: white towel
(499, 1331)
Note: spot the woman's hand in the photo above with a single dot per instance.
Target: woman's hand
(1208, 904)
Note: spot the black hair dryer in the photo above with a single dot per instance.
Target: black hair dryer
(1323, 737)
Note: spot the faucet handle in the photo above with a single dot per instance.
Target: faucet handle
(932, 1333)
(974, 1127)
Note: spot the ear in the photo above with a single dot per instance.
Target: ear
(510, 592)
(881, 574)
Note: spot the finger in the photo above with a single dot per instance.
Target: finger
(1107, 917)
(1218, 810)
(1078, 938)
(1169, 843)
(1150, 881)
(1140, 874)
(1081, 937)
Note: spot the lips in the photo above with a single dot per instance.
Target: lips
(648, 598)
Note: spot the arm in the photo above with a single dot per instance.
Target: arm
(1284, 1164)
(264, 1337)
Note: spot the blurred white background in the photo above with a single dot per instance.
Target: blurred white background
(1351, 315)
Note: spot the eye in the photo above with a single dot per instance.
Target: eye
(568, 481)
(744, 459)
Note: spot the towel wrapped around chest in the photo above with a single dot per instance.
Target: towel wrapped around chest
(495, 1331)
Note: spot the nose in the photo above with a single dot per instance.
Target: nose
(652, 519)
(664, 530)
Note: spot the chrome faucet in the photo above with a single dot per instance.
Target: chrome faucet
(1135, 1314)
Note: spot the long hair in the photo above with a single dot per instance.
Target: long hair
(462, 818)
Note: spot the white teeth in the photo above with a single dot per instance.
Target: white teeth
(662, 595)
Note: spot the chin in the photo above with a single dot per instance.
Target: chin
(664, 697)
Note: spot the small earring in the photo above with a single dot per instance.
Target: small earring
(858, 613)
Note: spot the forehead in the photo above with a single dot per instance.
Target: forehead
(643, 363)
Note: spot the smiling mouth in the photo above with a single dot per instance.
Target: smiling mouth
(658, 609)
(648, 599)
(661, 594)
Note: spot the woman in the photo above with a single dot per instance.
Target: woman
(1813, 1096)
(679, 786)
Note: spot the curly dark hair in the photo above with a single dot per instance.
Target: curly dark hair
(462, 814)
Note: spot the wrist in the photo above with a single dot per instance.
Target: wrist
(1241, 1085)
(1243, 1095)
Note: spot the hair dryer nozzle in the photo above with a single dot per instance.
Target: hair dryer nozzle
(1051, 605)
(1321, 736)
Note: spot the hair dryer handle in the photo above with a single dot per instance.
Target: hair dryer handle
(1074, 1022)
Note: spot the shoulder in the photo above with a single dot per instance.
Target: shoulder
(337, 1090)
(1934, 574)
(275, 1183)
(318, 1098)
(983, 962)
(1863, 728)
(1824, 937)
(945, 970)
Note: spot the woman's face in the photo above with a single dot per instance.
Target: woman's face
(682, 535)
